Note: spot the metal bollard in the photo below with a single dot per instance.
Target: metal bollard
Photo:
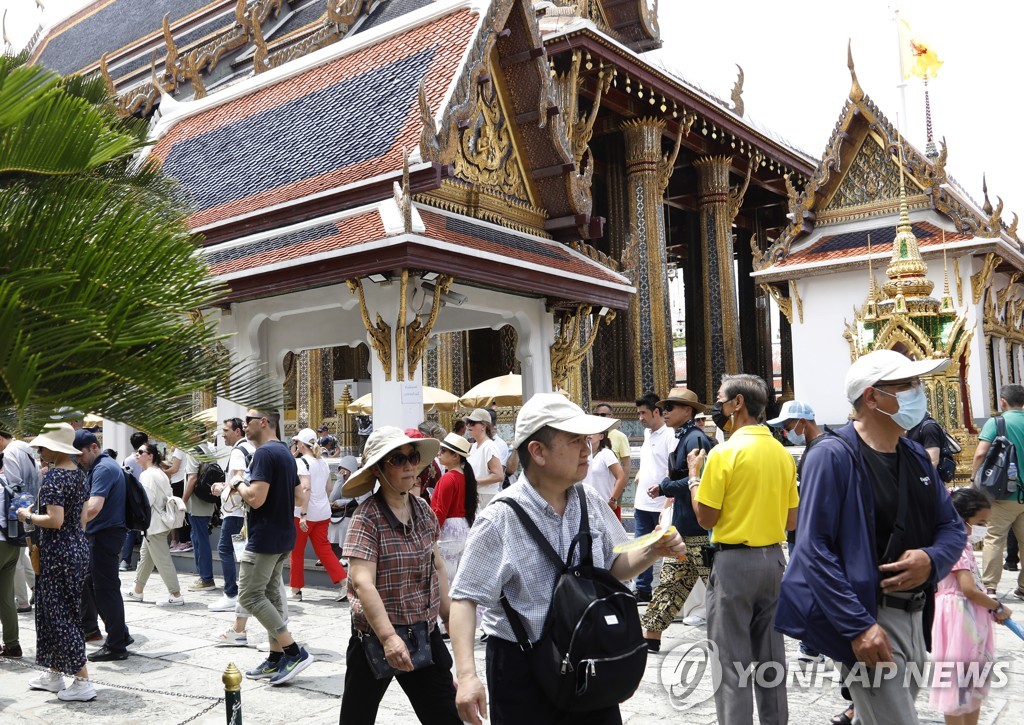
(232, 679)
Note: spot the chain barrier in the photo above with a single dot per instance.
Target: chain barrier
(214, 701)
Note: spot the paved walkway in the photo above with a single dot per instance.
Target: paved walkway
(173, 659)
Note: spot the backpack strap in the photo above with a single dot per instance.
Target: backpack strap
(1000, 426)
(586, 552)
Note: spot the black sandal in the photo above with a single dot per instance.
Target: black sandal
(843, 718)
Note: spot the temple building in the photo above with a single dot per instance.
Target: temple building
(406, 192)
(876, 205)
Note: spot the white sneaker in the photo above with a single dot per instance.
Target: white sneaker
(694, 621)
(50, 681)
(224, 604)
(231, 638)
(172, 601)
(80, 691)
(131, 596)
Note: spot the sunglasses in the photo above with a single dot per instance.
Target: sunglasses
(602, 415)
(142, 452)
(250, 418)
(400, 459)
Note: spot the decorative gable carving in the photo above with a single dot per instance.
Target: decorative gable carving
(872, 177)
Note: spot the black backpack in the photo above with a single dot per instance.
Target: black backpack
(209, 474)
(993, 475)
(591, 654)
(137, 511)
(949, 449)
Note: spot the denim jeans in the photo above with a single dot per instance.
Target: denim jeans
(644, 522)
(230, 525)
(130, 539)
(201, 547)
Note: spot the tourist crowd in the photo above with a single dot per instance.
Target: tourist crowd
(859, 552)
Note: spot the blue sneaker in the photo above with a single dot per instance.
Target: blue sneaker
(288, 667)
(264, 669)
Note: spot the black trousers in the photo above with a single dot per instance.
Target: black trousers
(1012, 549)
(431, 690)
(516, 696)
(102, 591)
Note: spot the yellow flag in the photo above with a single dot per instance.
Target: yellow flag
(919, 58)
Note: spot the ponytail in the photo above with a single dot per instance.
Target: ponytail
(472, 496)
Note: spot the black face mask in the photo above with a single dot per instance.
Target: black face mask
(720, 419)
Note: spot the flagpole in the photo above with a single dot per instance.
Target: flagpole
(902, 85)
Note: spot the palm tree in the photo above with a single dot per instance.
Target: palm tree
(99, 276)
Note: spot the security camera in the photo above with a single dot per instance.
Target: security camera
(450, 297)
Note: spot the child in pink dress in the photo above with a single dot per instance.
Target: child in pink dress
(962, 630)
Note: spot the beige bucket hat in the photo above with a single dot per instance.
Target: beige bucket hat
(57, 437)
(381, 442)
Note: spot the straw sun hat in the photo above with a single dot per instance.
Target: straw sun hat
(58, 437)
(381, 443)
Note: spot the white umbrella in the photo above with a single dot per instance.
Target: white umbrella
(435, 398)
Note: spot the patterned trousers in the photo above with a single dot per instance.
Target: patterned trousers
(677, 579)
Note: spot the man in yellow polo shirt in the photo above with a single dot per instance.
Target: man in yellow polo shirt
(747, 497)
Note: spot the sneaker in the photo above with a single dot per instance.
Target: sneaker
(289, 667)
(184, 547)
(200, 586)
(171, 601)
(318, 563)
(231, 638)
(123, 566)
(808, 658)
(176, 547)
(132, 596)
(342, 596)
(1019, 593)
(24, 609)
(991, 591)
(1010, 566)
(50, 681)
(694, 621)
(295, 595)
(80, 691)
(224, 604)
(13, 652)
(264, 670)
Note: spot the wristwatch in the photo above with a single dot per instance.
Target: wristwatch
(302, 514)
(236, 483)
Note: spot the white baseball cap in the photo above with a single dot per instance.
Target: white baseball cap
(887, 365)
(554, 410)
(307, 436)
(793, 410)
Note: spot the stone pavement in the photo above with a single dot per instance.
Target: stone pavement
(173, 658)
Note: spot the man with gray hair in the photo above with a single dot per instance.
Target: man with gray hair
(746, 495)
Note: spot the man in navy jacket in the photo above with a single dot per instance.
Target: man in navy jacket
(877, 532)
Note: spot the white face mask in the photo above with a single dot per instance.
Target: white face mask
(978, 533)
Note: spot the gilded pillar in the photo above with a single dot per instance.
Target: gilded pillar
(717, 207)
(647, 176)
(309, 394)
(302, 380)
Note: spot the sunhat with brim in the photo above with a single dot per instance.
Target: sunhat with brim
(307, 436)
(683, 396)
(887, 366)
(457, 444)
(792, 410)
(381, 443)
(553, 410)
(58, 437)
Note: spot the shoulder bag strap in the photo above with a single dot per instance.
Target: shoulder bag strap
(515, 619)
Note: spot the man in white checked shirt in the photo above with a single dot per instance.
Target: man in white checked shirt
(551, 439)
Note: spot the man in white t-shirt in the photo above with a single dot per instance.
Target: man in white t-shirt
(232, 513)
(654, 454)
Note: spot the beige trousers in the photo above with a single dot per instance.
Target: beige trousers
(157, 552)
(1005, 515)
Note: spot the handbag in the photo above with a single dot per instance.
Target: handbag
(416, 637)
(33, 554)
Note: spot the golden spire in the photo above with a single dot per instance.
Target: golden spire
(871, 308)
(947, 299)
(906, 271)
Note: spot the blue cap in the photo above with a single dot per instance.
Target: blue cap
(793, 410)
(85, 438)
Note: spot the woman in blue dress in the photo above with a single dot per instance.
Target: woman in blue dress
(63, 560)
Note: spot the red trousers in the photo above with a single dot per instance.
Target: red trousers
(317, 533)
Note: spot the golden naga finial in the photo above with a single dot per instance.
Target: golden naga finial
(108, 81)
(856, 92)
(737, 93)
(403, 194)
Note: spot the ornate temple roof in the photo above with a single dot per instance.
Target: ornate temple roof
(334, 124)
(367, 239)
(857, 179)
